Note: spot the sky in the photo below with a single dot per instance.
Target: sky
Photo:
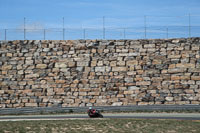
(119, 15)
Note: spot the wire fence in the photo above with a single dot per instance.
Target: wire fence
(92, 33)
(148, 28)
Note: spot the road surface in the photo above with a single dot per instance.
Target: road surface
(178, 116)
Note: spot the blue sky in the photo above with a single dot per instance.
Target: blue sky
(88, 13)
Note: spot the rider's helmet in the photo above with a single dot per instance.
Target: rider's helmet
(90, 108)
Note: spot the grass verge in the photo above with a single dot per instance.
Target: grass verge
(101, 125)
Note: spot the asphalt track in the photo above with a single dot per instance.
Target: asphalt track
(133, 108)
(176, 116)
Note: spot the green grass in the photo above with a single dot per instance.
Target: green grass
(101, 125)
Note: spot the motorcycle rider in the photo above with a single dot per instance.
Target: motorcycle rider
(94, 113)
(91, 110)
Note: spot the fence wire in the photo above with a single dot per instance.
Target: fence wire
(95, 33)
(109, 28)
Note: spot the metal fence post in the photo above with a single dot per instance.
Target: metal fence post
(63, 28)
(63, 33)
(5, 34)
(44, 34)
(104, 34)
(145, 28)
(24, 28)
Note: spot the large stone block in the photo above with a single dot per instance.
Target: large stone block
(143, 83)
(99, 69)
(60, 65)
(120, 43)
(29, 62)
(22, 83)
(133, 54)
(102, 101)
(82, 63)
(41, 66)
(69, 101)
(120, 96)
(32, 76)
(60, 81)
(119, 69)
(169, 99)
(83, 94)
(177, 70)
(195, 78)
(129, 92)
(133, 88)
(128, 80)
(143, 103)
(149, 46)
(175, 77)
(188, 65)
(93, 63)
(174, 56)
(71, 64)
(194, 70)
(123, 54)
(113, 63)
(20, 72)
(9, 54)
(93, 93)
(121, 63)
(132, 63)
(31, 105)
(117, 104)
(6, 67)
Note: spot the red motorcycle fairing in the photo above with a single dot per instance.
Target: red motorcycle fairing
(94, 113)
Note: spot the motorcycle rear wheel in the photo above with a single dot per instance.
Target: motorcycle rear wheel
(101, 116)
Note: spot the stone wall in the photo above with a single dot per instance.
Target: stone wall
(99, 72)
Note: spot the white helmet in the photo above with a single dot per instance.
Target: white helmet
(90, 107)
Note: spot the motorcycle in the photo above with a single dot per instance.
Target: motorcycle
(94, 114)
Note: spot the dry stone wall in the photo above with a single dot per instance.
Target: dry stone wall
(99, 72)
